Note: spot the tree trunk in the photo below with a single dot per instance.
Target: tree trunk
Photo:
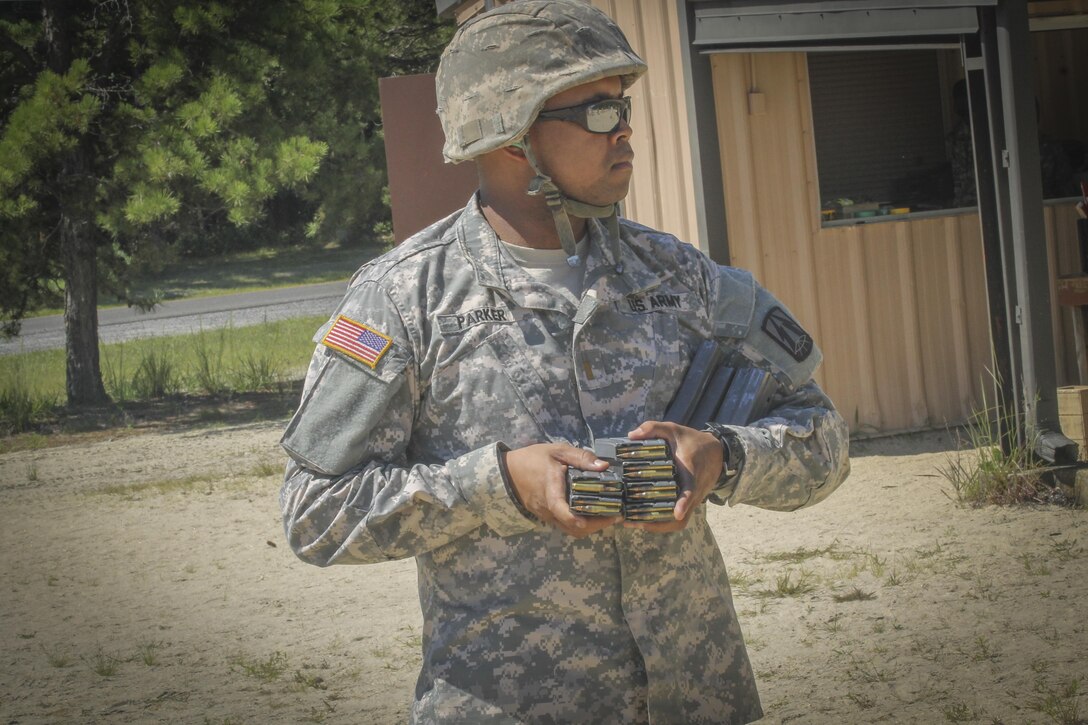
(78, 249)
(84, 375)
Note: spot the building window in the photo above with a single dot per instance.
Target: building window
(1061, 74)
(892, 133)
(884, 130)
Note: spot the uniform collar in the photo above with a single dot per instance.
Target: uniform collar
(481, 247)
(601, 274)
(497, 271)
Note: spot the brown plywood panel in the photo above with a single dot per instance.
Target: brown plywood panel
(769, 210)
(422, 187)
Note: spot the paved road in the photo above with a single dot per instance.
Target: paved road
(183, 316)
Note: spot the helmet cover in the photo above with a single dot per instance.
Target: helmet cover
(500, 68)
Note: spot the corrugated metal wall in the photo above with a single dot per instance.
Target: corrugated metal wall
(661, 195)
(899, 308)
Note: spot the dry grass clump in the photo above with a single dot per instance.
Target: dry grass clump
(984, 472)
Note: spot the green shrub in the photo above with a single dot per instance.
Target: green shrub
(208, 347)
(258, 371)
(20, 405)
(118, 384)
(987, 474)
(155, 376)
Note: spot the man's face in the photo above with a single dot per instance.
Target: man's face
(591, 167)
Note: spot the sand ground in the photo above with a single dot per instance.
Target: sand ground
(146, 580)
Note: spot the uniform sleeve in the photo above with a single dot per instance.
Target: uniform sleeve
(795, 456)
(798, 452)
(350, 494)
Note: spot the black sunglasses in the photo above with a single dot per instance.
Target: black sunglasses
(596, 116)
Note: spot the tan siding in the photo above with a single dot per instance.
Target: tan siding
(889, 271)
(969, 235)
(899, 308)
(767, 174)
(738, 165)
(846, 367)
(662, 195)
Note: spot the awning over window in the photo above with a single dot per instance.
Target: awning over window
(753, 24)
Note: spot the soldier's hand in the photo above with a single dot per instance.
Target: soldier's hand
(698, 458)
(538, 474)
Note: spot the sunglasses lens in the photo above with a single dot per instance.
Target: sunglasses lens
(602, 118)
(605, 116)
(597, 117)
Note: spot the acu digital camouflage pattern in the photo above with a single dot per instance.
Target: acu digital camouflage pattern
(522, 623)
(500, 68)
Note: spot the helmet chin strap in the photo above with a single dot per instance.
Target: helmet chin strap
(561, 206)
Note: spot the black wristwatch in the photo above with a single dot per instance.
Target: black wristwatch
(732, 454)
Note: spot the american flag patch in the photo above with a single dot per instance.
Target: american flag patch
(356, 340)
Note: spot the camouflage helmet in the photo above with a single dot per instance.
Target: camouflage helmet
(501, 66)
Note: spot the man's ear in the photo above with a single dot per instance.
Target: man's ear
(515, 150)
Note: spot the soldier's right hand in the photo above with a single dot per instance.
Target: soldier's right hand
(538, 474)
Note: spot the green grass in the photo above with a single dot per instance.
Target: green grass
(799, 555)
(1061, 703)
(854, 595)
(786, 586)
(258, 358)
(104, 664)
(250, 271)
(267, 669)
(986, 474)
(195, 482)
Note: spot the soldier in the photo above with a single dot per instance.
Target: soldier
(466, 369)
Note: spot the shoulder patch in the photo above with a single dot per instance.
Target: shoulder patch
(789, 335)
(357, 341)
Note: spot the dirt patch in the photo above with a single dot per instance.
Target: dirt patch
(69, 426)
(146, 580)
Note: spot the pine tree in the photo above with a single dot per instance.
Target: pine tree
(133, 131)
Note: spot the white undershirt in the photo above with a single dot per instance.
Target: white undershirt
(550, 268)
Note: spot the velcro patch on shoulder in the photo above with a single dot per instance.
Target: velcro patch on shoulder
(789, 335)
(357, 341)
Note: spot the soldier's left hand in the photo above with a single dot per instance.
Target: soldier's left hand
(698, 458)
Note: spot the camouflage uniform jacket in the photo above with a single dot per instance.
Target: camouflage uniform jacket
(399, 458)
